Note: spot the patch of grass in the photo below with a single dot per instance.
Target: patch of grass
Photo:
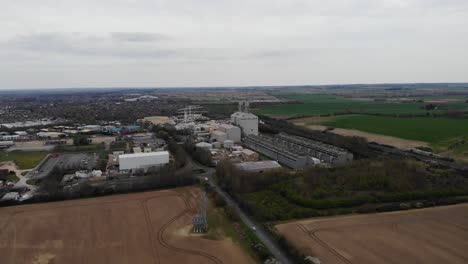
(33, 181)
(12, 177)
(23, 159)
(456, 148)
(220, 227)
(84, 148)
(436, 131)
(118, 146)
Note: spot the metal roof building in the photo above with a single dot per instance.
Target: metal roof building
(143, 160)
(258, 166)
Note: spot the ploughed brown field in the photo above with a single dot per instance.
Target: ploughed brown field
(433, 235)
(149, 227)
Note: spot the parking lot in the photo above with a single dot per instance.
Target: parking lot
(66, 161)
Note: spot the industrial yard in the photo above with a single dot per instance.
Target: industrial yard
(149, 227)
(432, 235)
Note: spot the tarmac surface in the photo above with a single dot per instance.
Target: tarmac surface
(65, 161)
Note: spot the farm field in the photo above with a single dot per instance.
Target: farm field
(312, 123)
(324, 104)
(221, 107)
(435, 131)
(23, 159)
(149, 227)
(433, 235)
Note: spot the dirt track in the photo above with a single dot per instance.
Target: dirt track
(435, 235)
(151, 227)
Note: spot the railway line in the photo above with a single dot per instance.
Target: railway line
(389, 151)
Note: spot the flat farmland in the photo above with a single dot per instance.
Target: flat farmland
(433, 235)
(435, 131)
(149, 227)
(325, 104)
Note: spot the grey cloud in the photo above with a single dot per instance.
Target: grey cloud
(138, 36)
(271, 54)
(78, 45)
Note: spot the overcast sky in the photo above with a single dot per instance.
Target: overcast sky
(161, 43)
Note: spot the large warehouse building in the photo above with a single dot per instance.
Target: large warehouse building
(143, 160)
(297, 152)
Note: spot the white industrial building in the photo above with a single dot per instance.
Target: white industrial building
(143, 160)
(50, 134)
(21, 133)
(10, 137)
(248, 122)
(5, 144)
(218, 136)
(232, 132)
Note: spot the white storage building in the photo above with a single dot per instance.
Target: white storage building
(143, 160)
(4, 144)
(219, 136)
(245, 120)
(233, 133)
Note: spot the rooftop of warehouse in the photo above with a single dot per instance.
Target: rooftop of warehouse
(147, 154)
(258, 165)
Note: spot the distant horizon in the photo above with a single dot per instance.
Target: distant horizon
(232, 87)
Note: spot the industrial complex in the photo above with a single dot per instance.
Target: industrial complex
(297, 152)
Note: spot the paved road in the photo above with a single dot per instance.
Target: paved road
(261, 234)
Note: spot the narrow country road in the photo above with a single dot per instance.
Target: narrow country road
(261, 234)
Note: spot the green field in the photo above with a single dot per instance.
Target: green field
(24, 160)
(221, 226)
(12, 177)
(436, 131)
(221, 108)
(327, 104)
(84, 148)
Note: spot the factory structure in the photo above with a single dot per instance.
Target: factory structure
(297, 152)
(136, 161)
(247, 121)
(223, 139)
